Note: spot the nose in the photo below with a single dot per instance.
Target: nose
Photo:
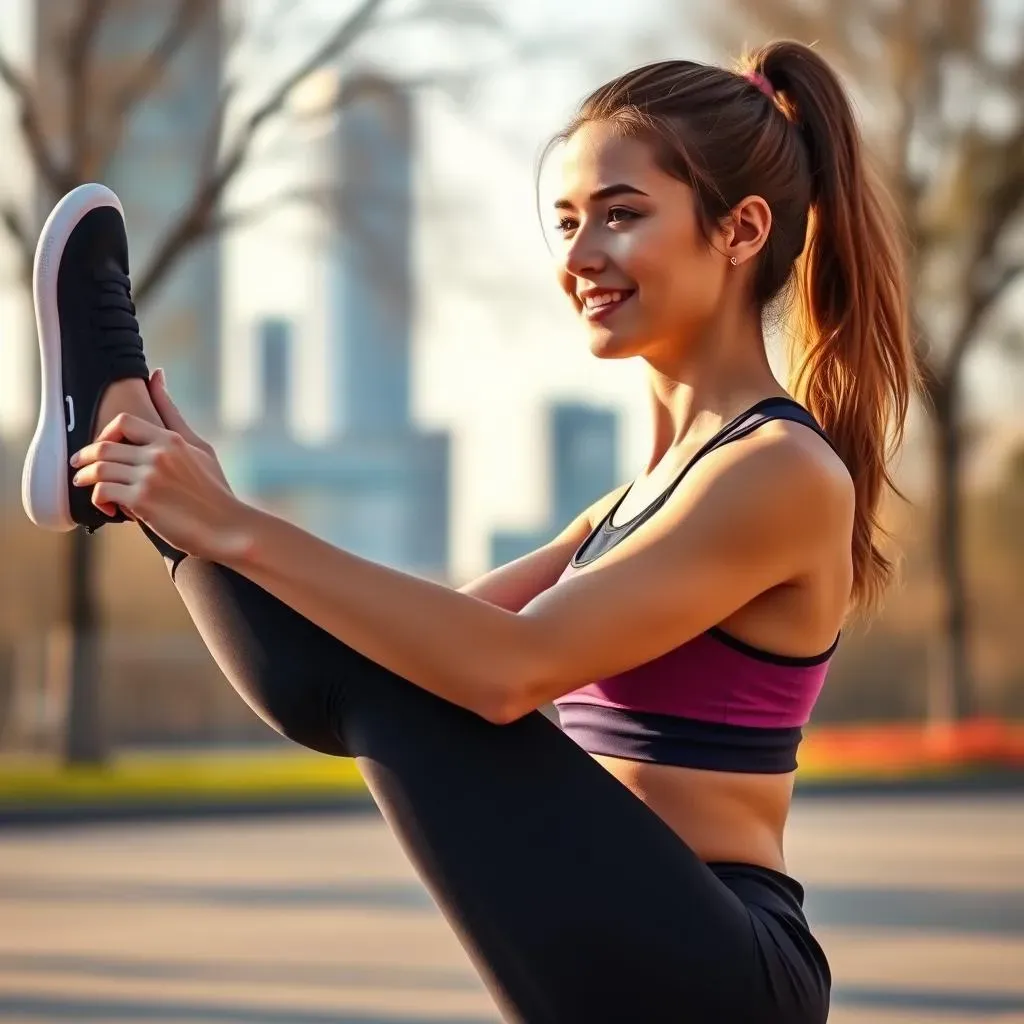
(583, 256)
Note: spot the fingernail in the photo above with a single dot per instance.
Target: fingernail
(76, 459)
(75, 478)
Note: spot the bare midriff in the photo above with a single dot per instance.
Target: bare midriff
(721, 816)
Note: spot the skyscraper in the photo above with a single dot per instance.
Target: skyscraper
(370, 317)
(583, 465)
(275, 354)
(584, 457)
(373, 482)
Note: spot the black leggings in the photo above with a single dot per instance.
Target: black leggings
(574, 900)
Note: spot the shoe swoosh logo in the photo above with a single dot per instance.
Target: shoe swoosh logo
(71, 412)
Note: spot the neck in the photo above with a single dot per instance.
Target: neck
(715, 378)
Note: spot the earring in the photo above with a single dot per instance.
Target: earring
(734, 261)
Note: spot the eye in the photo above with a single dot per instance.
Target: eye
(566, 224)
(617, 214)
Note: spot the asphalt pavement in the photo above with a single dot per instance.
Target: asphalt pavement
(918, 900)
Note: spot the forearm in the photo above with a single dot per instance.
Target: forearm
(452, 644)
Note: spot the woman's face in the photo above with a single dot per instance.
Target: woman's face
(633, 258)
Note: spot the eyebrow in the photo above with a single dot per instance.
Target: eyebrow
(608, 192)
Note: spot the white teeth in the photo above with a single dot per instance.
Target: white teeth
(603, 299)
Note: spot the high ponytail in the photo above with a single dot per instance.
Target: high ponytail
(853, 366)
(780, 126)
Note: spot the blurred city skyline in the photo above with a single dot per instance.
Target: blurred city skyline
(493, 343)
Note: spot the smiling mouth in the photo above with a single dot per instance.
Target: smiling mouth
(599, 307)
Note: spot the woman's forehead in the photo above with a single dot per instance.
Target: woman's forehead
(598, 155)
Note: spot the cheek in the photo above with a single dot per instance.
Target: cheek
(681, 282)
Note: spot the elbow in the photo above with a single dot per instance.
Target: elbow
(502, 705)
(511, 678)
(501, 714)
(508, 711)
(524, 687)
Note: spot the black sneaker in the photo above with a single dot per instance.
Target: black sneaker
(88, 338)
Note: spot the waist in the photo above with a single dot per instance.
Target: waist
(678, 740)
(721, 816)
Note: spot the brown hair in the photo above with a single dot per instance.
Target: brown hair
(835, 237)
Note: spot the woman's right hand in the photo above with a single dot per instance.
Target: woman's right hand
(174, 420)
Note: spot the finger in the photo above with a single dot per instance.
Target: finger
(169, 412)
(106, 496)
(134, 429)
(111, 472)
(110, 451)
(100, 496)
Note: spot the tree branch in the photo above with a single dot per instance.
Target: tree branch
(193, 224)
(339, 41)
(147, 76)
(56, 178)
(462, 12)
(19, 233)
(1001, 212)
(215, 130)
(910, 78)
(979, 307)
(231, 220)
(77, 86)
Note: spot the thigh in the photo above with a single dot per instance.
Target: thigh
(574, 899)
(576, 902)
(291, 672)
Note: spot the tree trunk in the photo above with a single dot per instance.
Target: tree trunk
(84, 741)
(950, 690)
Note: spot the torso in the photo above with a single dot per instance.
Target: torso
(732, 816)
(727, 816)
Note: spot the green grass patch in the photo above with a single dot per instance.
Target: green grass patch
(136, 778)
(191, 778)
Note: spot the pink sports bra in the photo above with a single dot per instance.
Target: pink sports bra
(714, 702)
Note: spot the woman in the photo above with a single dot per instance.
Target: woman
(630, 868)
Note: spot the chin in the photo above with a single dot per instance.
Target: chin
(605, 344)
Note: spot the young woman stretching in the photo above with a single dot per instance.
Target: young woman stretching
(629, 868)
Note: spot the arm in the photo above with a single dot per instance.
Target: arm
(514, 585)
(762, 513)
(760, 516)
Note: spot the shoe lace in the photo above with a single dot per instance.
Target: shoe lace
(117, 329)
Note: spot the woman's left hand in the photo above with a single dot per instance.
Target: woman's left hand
(174, 487)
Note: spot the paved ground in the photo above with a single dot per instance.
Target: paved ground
(919, 902)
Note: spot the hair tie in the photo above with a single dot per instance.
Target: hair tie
(762, 83)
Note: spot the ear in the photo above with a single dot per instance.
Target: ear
(746, 230)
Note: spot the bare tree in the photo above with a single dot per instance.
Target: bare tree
(942, 82)
(74, 110)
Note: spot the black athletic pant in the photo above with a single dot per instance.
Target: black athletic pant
(575, 901)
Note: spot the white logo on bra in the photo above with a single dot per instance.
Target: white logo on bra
(71, 412)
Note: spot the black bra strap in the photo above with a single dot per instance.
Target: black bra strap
(747, 422)
(768, 409)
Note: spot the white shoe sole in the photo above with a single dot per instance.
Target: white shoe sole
(44, 481)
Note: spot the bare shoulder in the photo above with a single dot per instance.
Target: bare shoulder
(812, 466)
(806, 453)
(783, 480)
